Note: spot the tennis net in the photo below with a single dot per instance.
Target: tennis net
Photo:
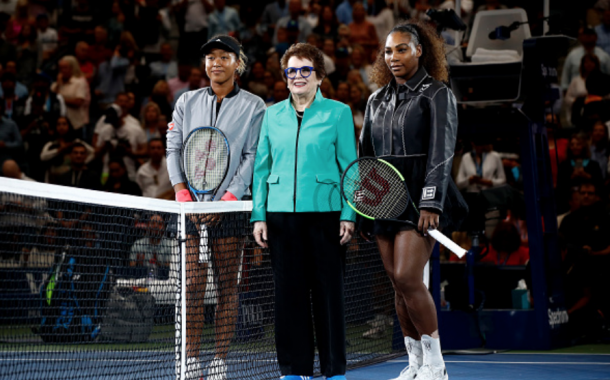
(94, 286)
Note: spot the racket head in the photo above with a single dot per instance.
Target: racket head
(375, 189)
(205, 159)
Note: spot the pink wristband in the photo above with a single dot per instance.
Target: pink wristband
(228, 197)
(184, 196)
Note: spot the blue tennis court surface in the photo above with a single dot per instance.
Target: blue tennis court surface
(504, 367)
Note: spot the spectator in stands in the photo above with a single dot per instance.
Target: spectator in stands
(343, 92)
(154, 251)
(363, 32)
(360, 62)
(294, 22)
(77, 22)
(280, 92)
(600, 147)
(162, 128)
(588, 64)
(558, 146)
(81, 52)
(10, 169)
(328, 24)
(574, 204)
(11, 144)
(122, 105)
(120, 140)
(480, 168)
(20, 18)
(382, 17)
(111, 77)
(587, 38)
(272, 13)
(269, 81)
(342, 66)
(56, 154)
(72, 86)
(118, 180)
(79, 174)
(595, 105)
(315, 40)
(345, 11)
(586, 234)
(223, 20)
(195, 82)
(192, 17)
(491, 5)
(20, 89)
(7, 49)
(256, 83)
(506, 248)
(162, 95)
(42, 110)
(13, 105)
(327, 89)
(99, 52)
(603, 32)
(150, 121)
(47, 38)
(27, 53)
(588, 227)
(181, 81)
(576, 169)
(53, 105)
(153, 177)
(166, 68)
(116, 23)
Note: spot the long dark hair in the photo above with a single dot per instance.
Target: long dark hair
(433, 52)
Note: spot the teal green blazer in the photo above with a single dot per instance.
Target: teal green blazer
(299, 170)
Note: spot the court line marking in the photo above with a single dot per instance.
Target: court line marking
(500, 362)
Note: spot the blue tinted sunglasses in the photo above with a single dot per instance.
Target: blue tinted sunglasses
(306, 71)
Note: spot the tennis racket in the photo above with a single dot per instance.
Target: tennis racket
(205, 160)
(377, 190)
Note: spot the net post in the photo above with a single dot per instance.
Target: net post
(182, 293)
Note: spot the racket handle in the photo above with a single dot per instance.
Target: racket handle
(444, 240)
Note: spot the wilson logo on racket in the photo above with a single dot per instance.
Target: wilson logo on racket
(376, 185)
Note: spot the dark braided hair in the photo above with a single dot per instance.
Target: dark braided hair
(433, 52)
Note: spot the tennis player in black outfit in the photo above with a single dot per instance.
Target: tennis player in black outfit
(412, 122)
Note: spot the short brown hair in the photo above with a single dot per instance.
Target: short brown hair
(305, 51)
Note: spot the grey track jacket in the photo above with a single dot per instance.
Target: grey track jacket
(240, 118)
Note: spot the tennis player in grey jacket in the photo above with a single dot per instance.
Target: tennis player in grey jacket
(239, 115)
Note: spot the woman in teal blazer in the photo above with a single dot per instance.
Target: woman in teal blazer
(306, 142)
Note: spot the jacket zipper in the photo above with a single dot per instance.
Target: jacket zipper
(296, 158)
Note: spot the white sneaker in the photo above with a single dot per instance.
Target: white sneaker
(193, 369)
(217, 370)
(408, 373)
(427, 372)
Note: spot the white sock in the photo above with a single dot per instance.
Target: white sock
(431, 348)
(193, 369)
(414, 351)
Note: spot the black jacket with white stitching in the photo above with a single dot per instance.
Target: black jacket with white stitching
(415, 126)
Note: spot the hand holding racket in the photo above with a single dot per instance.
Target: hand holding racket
(205, 160)
(376, 190)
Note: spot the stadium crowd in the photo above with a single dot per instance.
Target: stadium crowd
(88, 88)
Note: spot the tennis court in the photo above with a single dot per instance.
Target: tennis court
(505, 366)
(509, 366)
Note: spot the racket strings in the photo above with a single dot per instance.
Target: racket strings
(206, 158)
(375, 189)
